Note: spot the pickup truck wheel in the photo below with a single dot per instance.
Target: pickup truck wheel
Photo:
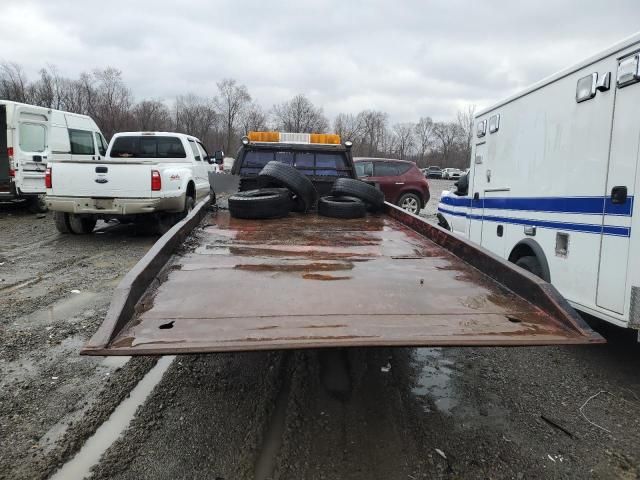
(38, 204)
(410, 202)
(276, 174)
(341, 207)
(61, 220)
(189, 204)
(357, 188)
(261, 203)
(81, 225)
(530, 264)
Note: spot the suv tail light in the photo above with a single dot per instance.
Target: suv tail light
(48, 183)
(156, 181)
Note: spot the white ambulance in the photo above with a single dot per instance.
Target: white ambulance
(554, 172)
(30, 136)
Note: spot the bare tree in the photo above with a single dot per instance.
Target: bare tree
(151, 115)
(195, 115)
(231, 100)
(13, 83)
(348, 126)
(374, 125)
(405, 140)
(113, 101)
(300, 115)
(424, 138)
(253, 118)
(447, 134)
(465, 126)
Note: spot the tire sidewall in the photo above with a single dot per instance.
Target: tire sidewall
(410, 195)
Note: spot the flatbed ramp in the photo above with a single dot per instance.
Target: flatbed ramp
(308, 281)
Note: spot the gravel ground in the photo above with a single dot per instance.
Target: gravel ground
(377, 413)
(436, 187)
(54, 292)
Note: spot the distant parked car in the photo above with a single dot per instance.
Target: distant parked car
(451, 173)
(433, 172)
(402, 182)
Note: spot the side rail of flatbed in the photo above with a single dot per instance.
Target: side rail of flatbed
(391, 279)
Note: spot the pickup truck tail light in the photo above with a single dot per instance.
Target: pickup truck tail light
(156, 181)
(48, 181)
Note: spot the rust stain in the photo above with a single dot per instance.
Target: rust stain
(320, 276)
(305, 267)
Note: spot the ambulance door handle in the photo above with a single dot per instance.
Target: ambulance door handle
(619, 195)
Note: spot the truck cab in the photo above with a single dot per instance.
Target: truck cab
(321, 157)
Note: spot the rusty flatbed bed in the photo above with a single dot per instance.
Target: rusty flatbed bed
(307, 281)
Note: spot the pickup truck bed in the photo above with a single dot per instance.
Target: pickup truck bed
(306, 281)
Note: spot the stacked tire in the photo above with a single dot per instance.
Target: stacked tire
(350, 198)
(282, 189)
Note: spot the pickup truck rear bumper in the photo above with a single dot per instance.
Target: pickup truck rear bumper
(114, 206)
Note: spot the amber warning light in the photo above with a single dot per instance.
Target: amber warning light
(285, 137)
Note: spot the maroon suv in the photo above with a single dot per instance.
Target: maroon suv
(401, 181)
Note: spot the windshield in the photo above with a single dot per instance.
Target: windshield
(309, 163)
(147, 147)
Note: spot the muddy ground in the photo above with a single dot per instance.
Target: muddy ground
(552, 412)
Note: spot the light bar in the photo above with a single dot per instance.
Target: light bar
(286, 137)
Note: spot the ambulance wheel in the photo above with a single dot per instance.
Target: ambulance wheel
(530, 264)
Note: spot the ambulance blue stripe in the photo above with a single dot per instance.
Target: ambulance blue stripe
(576, 227)
(576, 205)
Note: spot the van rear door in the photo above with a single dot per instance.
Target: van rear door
(30, 148)
(619, 195)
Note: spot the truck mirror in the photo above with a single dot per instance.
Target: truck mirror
(218, 157)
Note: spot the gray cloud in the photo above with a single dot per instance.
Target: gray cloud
(409, 58)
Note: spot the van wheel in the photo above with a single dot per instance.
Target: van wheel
(61, 220)
(82, 225)
(530, 264)
(410, 202)
(38, 204)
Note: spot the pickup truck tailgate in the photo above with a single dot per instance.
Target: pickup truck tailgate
(110, 180)
(310, 281)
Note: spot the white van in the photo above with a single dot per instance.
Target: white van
(552, 183)
(30, 136)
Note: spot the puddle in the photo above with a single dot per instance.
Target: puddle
(434, 380)
(115, 361)
(67, 308)
(91, 452)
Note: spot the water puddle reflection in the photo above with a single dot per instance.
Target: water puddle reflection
(433, 379)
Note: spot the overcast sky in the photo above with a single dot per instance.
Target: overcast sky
(409, 58)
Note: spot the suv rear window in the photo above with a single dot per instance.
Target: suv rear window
(147, 147)
(385, 169)
(309, 163)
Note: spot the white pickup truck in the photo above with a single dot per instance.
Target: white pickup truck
(144, 177)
